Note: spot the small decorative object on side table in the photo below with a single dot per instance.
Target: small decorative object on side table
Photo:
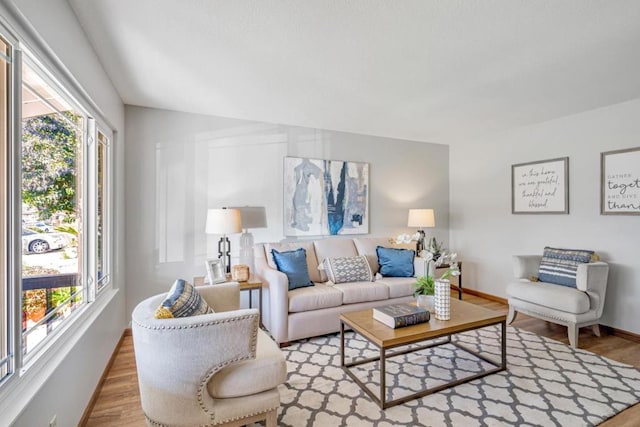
(240, 273)
(250, 285)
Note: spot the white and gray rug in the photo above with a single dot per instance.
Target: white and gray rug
(547, 384)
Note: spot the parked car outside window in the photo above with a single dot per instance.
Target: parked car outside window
(34, 242)
(43, 226)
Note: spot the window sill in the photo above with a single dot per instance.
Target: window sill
(19, 390)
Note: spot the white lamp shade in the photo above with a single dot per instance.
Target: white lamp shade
(253, 216)
(223, 221)
(421, 218)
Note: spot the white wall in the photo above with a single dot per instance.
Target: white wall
(67, 390)
(178, 165)
(486, 234)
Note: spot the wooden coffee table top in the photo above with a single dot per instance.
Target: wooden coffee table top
(464, 317)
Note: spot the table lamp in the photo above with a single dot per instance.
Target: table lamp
(421, 218)
(224, 221)
(252, 217)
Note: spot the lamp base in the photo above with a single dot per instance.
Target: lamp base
(224, 253)
(420, 243)
(246, 250)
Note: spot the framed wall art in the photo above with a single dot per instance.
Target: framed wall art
(215, 272)
(325, 197)
(620, 182)
(540, 187)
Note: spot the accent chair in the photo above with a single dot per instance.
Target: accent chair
(207, 370)
(572, 307)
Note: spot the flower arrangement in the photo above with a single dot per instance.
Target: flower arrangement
(407, 238)
(435, 248)
(425, 285)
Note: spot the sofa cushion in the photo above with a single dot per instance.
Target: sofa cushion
(550, 295)
(367, 246)
(348, 269)
(362, 291)
(314, 297)
(182, 301)
(396, 262)
(312, 260)
(560, 266)
(398, 286)
(266, 371)
(294, 265)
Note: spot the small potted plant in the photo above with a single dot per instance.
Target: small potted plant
(423, 290)
(424, 287)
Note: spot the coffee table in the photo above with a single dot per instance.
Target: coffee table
(464, 317)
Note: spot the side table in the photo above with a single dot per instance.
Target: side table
(250, 285)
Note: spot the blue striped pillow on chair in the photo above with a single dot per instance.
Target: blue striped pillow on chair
(559, 266)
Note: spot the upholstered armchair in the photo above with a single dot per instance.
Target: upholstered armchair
(211, 369)
(572, 307)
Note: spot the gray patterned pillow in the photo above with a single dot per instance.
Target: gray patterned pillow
(348, 269)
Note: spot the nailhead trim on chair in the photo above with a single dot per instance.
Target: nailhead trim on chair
(247, 416)
(157, 424)
(198, 325)
(212, 372)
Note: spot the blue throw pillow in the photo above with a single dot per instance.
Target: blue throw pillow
(560, 266)
(396, 262)
(294, 265)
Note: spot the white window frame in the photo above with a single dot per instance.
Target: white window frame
(20, 367)
(107, 205)
(12, 296)
(84, 276)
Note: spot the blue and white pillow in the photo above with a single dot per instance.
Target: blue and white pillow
(348, 269)
(294, 265)
(182, 301)
(396, 262)
(560, 266)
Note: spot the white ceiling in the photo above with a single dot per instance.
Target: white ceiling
(428, 70)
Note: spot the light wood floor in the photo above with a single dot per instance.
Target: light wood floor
(118, 402)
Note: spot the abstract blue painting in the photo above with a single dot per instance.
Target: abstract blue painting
(325, 197)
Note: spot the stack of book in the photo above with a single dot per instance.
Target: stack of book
(399, 315)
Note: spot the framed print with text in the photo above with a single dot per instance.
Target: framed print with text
(620, 182)
(540, 187)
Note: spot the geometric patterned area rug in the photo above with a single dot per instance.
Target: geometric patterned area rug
(546, 383)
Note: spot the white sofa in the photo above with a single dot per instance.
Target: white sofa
(315, 310)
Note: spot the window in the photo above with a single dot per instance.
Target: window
(52, 216)
(5, 317)
(54, 208)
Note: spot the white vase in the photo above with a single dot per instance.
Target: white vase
(426, 302)
(442, 300)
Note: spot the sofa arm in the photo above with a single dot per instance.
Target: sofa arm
(592, 277)
(275, 290)
(222, 297)
(526, 266)
(193, 349)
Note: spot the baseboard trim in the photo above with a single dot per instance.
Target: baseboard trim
(621, 333)
(94, 397)
(485, 296)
